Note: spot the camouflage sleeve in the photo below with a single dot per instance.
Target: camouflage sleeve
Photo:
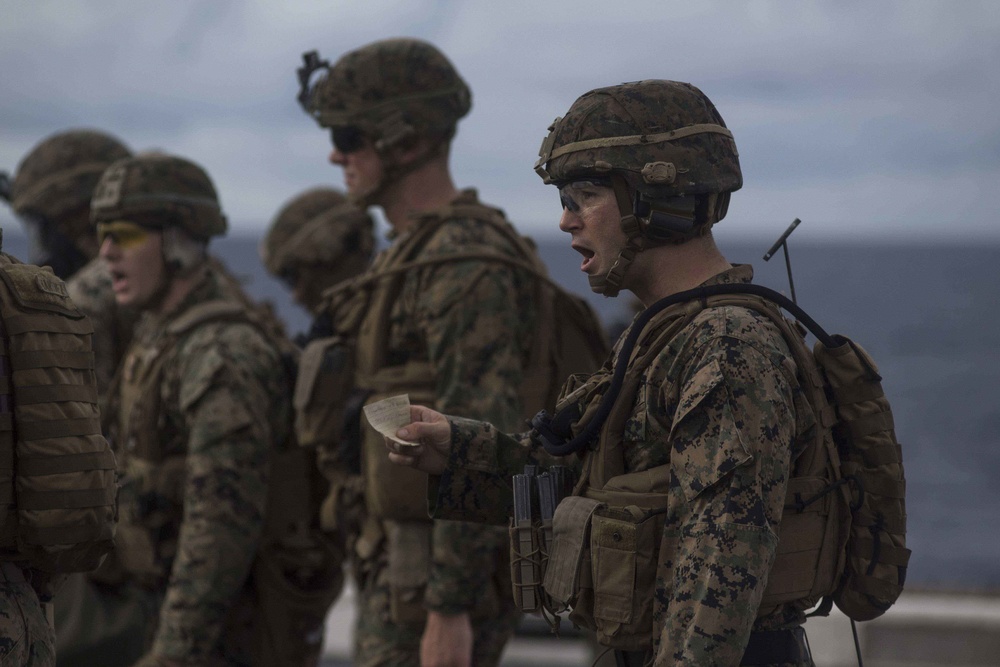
(476, 487)
(474, 319)
(729, 454)
(223, 385)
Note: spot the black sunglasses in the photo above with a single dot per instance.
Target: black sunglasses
(347, 139)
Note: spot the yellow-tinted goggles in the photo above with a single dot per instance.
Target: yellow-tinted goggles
(124, 234)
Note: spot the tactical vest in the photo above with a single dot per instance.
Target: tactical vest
(57, 473)
(154, 467)
(607, 537)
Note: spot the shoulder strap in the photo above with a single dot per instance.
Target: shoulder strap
(399, 260)
(609, 462)
(402, 257)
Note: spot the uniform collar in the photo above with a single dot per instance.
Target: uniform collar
(739, 273)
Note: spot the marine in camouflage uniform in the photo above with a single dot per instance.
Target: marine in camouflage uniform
(51, 193)
(718, 413)
(436, 593)
(315, 241)
(200, 403)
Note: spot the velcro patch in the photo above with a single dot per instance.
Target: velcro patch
(38, 288)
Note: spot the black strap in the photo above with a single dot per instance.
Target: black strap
(777, 647)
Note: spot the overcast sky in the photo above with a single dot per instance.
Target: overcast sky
(867, 119)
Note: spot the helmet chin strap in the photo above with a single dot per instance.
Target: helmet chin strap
(610, 284)
(391, 173)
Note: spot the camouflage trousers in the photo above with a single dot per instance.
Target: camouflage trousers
(379, 641)
(26, 637)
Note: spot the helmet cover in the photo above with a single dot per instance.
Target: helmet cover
(57, 178)
(391, 89)
(159, 191)
(664, 137)
(318, 226)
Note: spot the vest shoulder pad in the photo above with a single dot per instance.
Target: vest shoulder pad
(37, 288)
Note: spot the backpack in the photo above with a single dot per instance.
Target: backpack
(57, 476)
(858, 432)
(842, 535)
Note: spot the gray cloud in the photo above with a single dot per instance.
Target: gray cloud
(865, 118)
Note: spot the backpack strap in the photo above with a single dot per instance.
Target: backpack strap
(609, 461)
(400, 260)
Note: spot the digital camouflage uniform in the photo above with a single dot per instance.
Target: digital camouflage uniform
(192, 508)
(468, 322)
(720, 405)
(472, 321)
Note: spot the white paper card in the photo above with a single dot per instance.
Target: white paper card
(389, 415)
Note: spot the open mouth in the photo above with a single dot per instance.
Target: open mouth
(588, 256)
(118, 280)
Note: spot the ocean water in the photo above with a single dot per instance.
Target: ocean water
(929, 317)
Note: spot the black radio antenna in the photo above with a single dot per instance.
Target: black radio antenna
(782, 243)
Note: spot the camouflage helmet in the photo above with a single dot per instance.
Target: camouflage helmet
(157, 190)
(664, 137)
(663, 148)
(391, 90)
(58, 176)
(318, 226)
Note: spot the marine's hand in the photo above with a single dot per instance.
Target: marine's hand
(447, 641)
(432, 430)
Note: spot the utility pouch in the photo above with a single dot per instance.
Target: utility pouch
(295, 583)
(409, 549)
(298, 571)
(395, 492)
(526, 565)
(323, 385)
(624, 543)
(567, 576)
(604, 557)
